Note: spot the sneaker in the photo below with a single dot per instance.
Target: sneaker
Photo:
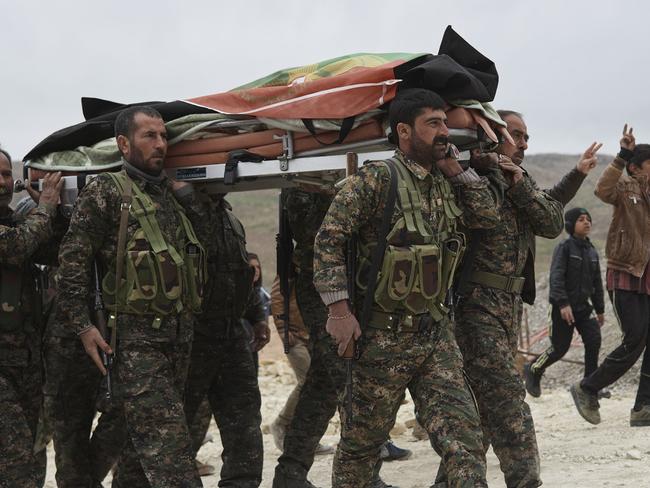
(532, 381)
(324, 449)
(379, 483)
(204, 469)
(640, 418)
(586, 403)
(277, 431)
(390, 452)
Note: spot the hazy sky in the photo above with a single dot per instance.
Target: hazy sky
(577, 69)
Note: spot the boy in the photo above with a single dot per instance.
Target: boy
(576, 290)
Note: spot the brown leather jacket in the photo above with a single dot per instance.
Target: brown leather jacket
(628, 239)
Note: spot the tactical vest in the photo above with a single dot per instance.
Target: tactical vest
(160, 277)
(230, 276)
(419, 262)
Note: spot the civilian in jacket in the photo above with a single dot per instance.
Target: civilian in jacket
(576, 290)
(628, 278)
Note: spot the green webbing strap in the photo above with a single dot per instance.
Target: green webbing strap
(146, 216)
(414, 211)
(185, 221)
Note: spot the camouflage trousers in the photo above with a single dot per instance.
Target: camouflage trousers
(487, 329)
(222, 369)
(70, 396)
(20, 404)
(150, 372)
(428, 364)
(318, 399)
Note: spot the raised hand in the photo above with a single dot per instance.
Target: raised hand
(588, 160)
(627, 141)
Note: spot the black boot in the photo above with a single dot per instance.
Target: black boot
(283, 479)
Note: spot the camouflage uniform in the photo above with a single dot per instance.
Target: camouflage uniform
(487, 328)
(426, 360)
(72, 383)
(151, 356)
(222, 366)
(21, 330)
(318, 397)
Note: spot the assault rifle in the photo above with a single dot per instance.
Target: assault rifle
(351, 352)
(100, 323)
(284, 260)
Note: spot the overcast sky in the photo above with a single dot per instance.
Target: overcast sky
(577, 69)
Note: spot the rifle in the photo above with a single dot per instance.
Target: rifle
(100, 323)
(284, 260)
(351, 352)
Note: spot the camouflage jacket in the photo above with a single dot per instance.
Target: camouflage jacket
(230, 278)
(20, 242)
(525, 212)
(306, 213)
(358, 208)
(93, 234)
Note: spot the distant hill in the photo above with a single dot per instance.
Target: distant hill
(258, 210)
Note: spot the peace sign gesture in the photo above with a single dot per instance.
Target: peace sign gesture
(627, 141)
(589, 159)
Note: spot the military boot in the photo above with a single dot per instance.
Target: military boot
(533, 380)
(379, 483)
(282, 479)
(586, 403)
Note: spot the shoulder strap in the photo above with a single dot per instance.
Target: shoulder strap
(411, 201)
(125, 185)
(380, 248)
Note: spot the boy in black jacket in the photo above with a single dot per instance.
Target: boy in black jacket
(575, 280)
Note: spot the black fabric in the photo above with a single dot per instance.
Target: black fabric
(633, 312)
(346, 127)
(561, 336)
(462, 282)
(459, 71)
(625, 154)
(575, 277)
(101, 124)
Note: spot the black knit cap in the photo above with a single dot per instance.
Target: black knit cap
(571, 216)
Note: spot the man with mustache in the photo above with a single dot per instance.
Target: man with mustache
(136, 226)
(411, 236)
(500, 276)
(21, 327)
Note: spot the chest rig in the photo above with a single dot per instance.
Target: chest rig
(160, 277)
(231, 277)
(421, 256)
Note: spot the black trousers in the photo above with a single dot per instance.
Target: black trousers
(561, 335)
(633, 314)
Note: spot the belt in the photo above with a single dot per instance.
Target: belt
(400, 321)
(511, 284)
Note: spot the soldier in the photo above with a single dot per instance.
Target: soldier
(407, 338)
(135, 225)
(501, 276)
(21, 327)
(318, 397)
(222, 366)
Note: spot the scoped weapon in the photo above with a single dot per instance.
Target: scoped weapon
(100, 323)
(284, 259)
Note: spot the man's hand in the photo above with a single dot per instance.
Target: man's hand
(601, 319)
(52, 184)
(177, 185)
(342, 325)
(261, 335)
(627, 141)
(449, 167)
(92, 340)
(567, 314)
(483, 161)
(513, 173)
(589, 159)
